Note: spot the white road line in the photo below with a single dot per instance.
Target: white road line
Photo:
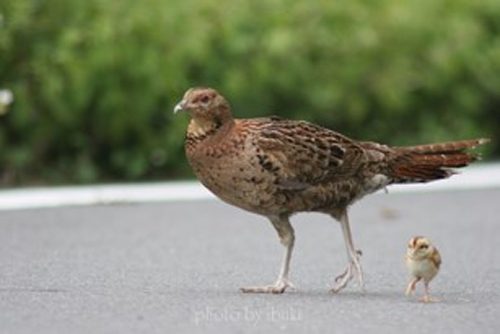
(483, 176)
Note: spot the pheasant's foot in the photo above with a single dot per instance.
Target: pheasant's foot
(343, 279)
(348, 274)
(279, 287)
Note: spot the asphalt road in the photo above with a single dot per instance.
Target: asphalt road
(177, 267)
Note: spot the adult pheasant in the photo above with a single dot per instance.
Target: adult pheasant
(277, 167)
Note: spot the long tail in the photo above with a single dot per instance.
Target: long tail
(424, 163)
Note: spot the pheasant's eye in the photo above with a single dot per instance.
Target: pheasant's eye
(205, 99)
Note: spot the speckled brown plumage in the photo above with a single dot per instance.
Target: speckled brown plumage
(276, 167)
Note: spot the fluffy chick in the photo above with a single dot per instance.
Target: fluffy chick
(423, 261)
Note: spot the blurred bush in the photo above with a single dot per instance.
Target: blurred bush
(95, 81)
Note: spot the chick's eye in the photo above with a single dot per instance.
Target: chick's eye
(205, 99)
(424, 247)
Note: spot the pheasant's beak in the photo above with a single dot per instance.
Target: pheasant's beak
(179, 107)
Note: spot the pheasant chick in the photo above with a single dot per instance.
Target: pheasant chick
(423, 261)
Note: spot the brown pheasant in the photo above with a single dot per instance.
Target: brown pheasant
(277, 167)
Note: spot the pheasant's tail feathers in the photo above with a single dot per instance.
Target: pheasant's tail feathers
(448, 147)
(424, 163)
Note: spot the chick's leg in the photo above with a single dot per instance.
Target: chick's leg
(412, 286)
(427, 297)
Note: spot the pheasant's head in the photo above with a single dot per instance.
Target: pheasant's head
(205, 105)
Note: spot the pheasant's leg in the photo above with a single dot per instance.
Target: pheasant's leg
(410, 290)
(353, 255)
(287, 237)
(427, 297)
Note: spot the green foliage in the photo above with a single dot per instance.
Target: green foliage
(95, 81)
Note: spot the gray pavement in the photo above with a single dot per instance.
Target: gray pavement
(177, 267)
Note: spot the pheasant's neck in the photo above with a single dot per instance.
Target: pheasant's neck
(201, 128)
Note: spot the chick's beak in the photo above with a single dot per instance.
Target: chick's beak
(179, 107)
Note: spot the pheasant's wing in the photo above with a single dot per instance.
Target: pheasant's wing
(300, 154)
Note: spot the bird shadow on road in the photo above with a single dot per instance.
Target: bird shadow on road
(459, 297)
(454, 298)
